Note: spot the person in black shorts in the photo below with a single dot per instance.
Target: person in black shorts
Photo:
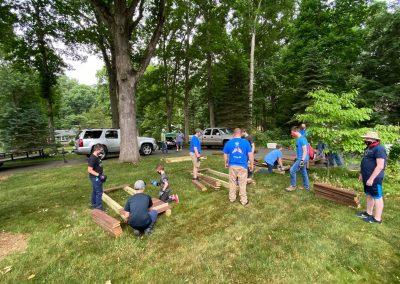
(96, 176)
(372, 174)
(136, 210)
(165, 191)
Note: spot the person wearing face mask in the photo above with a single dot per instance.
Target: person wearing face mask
(372, 173)
(96, 176)
(165, 190)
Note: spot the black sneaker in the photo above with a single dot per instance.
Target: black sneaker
(363, 215)
(371, 220)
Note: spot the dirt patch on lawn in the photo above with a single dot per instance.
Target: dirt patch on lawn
(4, 178)
(11, 243)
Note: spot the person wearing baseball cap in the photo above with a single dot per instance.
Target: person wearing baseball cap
(137, 211)
(195, 151)
(372, 173)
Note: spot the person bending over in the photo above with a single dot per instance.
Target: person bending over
(274, 159)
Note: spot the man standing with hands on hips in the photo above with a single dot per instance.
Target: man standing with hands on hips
(195, 152)
(237, 154)
(96, 176)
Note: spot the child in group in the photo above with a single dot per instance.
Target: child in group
(137, 212)
(164, 186)
(274, 159)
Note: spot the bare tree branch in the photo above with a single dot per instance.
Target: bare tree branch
(103, 10)
(153, 41)
(139, 17)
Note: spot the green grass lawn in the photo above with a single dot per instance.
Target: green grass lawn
(281, 237)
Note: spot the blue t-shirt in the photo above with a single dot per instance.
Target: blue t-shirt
(303, 132)
(273, 156)
(238, 150)
(195, 142)
(368, 163)
(300, 142)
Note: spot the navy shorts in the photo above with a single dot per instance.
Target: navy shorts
(375, 191)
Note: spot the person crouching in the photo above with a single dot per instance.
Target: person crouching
(165, 190)
(137, 212)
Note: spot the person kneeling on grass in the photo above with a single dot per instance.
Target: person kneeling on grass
(137, 212)
(372, 174)
(165, 191)
(274, 159)
(301, 160)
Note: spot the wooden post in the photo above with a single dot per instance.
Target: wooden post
(113, 205)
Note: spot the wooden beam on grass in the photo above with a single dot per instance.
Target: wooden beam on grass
(199, 185)
(113, 205)
(180, 159)
(106, 222)
(209, 180)
(129, 190)
(217, 173)
(208, 184)
(217, 182)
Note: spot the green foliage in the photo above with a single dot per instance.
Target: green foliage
(336, 120)
(394, 154)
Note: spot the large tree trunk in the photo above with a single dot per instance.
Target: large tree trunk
(113, 92)
(126, 94)
(50, 114)
(186, 99)
(210, 97)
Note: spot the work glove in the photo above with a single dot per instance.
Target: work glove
(154, 182)
(301, 164)
(102, 178)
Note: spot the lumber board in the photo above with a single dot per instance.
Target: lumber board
(354, 203)
(129, 190)
(181, 159)
(333, 188)
(113, 205)
(111, 189)
(199, 185)
(349, 196)
(217, 181)
(218, 153)
(210, 180)
(106, 222)
(337, 197)
(207, 184)
(217, 173)
(160, 206)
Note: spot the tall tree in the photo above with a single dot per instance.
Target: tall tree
(122, 19)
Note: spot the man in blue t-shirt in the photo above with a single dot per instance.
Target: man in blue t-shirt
(372, 174)
(237, 154)
(274, 158)
(300, 163)
(195, 152)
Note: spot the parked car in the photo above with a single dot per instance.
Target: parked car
(110, 139)
(217, 136)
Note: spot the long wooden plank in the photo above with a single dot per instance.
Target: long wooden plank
(113, 205)
(207, 184)
(343, 195)
(216, 181)
(129, 190)
(338, 197)
(181, 159)
(209, 180)
(111, 189)
(216, 173)
(354, 203)
(333, 188)
(199, 185)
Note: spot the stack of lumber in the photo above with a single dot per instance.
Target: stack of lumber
(161, 206)
(108, 223)
(338, 195)
(209, 181)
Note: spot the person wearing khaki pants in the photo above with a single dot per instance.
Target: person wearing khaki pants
(237, 154)
(195, 152)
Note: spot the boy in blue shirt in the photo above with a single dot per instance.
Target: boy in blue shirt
(301, 160)
(237, 154)
(274, 158)
(195, 152)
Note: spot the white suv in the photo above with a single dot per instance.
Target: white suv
(216, 136)
(110, 139)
